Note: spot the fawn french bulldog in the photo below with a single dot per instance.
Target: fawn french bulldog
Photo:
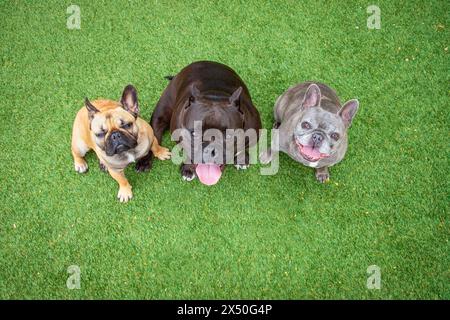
(118, 136)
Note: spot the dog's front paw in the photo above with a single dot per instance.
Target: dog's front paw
(163, 153)
(322, 175)
(125, 194)
(81, 167)
(188, 172)
(242, 166)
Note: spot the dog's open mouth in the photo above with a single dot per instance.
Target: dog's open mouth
(209, 173)
(310, 153)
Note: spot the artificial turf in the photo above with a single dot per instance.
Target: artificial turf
(250, 236)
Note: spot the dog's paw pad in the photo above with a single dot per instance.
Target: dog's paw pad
(81, 167)
(323, 177)
(242, 166)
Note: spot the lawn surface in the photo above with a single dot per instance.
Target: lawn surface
(251, 236)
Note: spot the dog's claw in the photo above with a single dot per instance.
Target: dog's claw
(187, 173)
(323, 177)
(81, 167)
(242, 166)
(163, 154)
(124, 195)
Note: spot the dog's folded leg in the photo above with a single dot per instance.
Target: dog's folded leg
(125, 193)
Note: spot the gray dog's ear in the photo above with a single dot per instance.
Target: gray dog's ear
(90, 107)
(312, 96)
(129, 100)
(348, 111)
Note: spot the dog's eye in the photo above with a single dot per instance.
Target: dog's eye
(335, 136)
(127, 126)
(306, 125)
(100, 134)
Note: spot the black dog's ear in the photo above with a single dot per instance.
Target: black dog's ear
(195, 94)
(90, 107)
(129, 100)
(236, 97)
(348, 111)
(312, 96)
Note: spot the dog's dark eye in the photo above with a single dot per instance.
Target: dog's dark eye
(306, 125)
(335, 136)
(100, 134)
(127, 126)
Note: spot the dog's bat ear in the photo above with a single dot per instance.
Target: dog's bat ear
(348, 111)
(235, 97)
(90, 107)
(129, 100)
(195, 94)
(312, 97)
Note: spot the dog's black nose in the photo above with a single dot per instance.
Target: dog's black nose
(317, 138)
(115, 135)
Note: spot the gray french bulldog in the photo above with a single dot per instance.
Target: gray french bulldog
(312, 126)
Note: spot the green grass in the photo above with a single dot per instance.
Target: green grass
(251, 236)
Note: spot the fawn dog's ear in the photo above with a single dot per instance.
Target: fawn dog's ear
(129, 100)
(91, 109)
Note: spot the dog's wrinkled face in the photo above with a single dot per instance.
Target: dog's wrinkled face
(216, 116)
(115, 131)
(215, 144)
(319, 133)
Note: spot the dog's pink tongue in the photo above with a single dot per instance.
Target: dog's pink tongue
(311, 152)
(208, 174)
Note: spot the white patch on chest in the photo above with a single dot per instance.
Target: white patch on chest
(131, 157)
